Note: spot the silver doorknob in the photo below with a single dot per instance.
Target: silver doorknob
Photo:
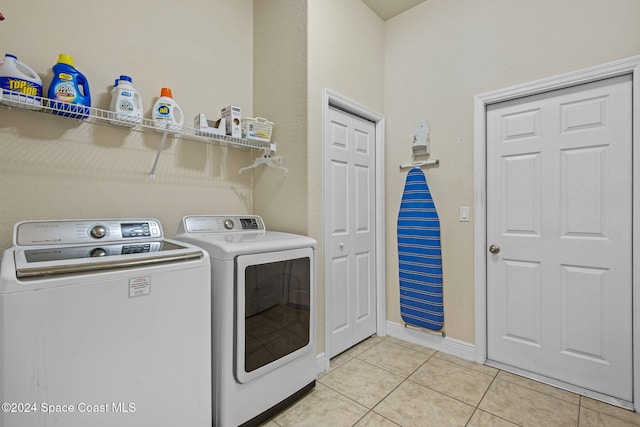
(494, 249)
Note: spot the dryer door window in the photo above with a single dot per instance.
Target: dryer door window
(274, 313)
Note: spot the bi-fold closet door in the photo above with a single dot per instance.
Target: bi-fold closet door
(350, 264)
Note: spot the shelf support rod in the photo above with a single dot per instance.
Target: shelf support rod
(155, 163)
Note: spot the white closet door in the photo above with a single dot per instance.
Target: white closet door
(350, 285)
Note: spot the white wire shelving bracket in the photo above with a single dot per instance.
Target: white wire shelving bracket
(38, 105)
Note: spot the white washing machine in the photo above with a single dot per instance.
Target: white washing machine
(104, 323)
(264, 316)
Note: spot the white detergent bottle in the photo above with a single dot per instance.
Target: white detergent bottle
(166, 114)
(126, 103)
(20, 85)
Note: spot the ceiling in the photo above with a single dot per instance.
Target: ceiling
(387, 9)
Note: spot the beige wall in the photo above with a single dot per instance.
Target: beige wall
(442, 53)
(56, 168)
(280, 95)
(345, 54)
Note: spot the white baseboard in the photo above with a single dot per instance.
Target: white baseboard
(435, 340)
(321, 362)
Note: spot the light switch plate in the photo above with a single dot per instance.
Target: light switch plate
(464, 213)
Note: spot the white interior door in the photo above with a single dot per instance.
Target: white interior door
(559, 218)
(350, 264)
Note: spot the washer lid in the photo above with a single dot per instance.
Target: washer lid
(38, 262)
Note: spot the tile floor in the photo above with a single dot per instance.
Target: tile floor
(385, 381)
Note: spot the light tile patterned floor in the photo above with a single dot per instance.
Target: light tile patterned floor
(385, 381)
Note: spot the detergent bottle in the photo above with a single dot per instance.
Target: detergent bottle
(69, 90)
(166, 114)
(126, 103)
(21, 86)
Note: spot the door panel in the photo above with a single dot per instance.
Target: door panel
(559, 207)
(351, 244)
(522, 301)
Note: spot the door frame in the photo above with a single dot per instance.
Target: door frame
(612, 69)
(331, 98)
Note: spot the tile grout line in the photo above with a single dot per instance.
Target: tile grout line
(480, 401)
(477, 408)
(406, 378)
(579, 409)
(445, 394)
(523, 385)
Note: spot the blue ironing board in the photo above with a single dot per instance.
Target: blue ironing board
(419, 255)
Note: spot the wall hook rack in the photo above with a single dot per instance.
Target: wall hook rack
(421, 147)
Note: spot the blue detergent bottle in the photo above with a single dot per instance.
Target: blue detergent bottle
(69, 90)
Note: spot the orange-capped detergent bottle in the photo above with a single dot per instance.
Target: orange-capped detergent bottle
(166, 114)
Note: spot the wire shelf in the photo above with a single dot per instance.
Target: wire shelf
(41, 105)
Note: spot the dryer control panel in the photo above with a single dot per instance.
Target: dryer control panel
(221, 224)
(59, 232)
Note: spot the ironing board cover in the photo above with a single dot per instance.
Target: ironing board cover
(419, 255)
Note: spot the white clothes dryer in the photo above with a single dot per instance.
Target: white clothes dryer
(104, 323)
(263, 315)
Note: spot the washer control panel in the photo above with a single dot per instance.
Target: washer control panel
(221, 224)
(57, 232)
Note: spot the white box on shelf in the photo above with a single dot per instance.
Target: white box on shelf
(232, 114)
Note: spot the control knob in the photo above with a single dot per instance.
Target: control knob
(98, 231)
(228, 224)
(97, 252)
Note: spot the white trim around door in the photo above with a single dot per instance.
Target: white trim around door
(612, 69)
(331, 98)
